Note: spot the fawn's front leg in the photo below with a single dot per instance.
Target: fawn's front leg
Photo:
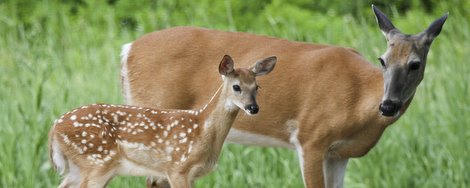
(97, 178)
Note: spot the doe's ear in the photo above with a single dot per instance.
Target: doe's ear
(264, 66)
(226, 65)
(435, 28)
(385, 24)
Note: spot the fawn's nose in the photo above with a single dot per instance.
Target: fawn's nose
(389, 107)
(252, 108)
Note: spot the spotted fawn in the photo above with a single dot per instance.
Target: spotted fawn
(91, 144)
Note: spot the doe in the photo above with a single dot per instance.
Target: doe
(94, 143)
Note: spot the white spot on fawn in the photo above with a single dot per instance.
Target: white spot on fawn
(183, 158)
(115, 119)
(169, 149)
(76, 124)
(73, 117)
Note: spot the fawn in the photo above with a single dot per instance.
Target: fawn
(94, 143)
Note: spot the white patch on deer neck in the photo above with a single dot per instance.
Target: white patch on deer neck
(208, 123)
(229, 105)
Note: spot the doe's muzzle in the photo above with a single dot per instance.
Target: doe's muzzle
(389, 107)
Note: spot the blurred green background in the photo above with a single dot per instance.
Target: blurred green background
(59, 54)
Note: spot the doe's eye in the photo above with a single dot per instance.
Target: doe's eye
(382, 62)
(236, 88)
(414, 65)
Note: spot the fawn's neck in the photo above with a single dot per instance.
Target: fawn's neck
(217, 118)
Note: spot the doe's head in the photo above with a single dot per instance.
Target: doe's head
(404, 61)
(241, 85)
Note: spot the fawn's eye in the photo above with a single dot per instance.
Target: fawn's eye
(236, 88)
(382, 62)
(414, 65)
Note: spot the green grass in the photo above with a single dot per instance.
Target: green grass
(52, 61)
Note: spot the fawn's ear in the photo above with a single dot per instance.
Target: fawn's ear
(385, 24)
(264, 66)
(434, 29)
(226, 65)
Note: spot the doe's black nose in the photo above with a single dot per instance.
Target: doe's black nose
(389, 107)
(253, 109)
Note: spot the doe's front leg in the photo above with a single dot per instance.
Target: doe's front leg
(312, 168)
(334, 168)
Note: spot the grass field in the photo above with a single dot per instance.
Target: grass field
(52, 61)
